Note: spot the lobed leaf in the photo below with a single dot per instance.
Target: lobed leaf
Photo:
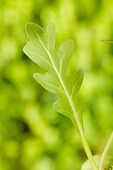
(41, 49)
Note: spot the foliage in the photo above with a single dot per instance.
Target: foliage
(41, 49)
(86, 22)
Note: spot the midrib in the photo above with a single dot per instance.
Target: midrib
(68, 96)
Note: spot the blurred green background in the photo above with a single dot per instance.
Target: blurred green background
(32, 135)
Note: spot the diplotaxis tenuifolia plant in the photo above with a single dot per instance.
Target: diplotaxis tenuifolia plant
(41, 49)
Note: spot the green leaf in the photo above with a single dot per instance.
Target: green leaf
(41, 49)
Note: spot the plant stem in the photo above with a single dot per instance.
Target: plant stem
(87, 148)
(105, 151)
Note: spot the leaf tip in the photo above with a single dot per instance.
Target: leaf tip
(51, 24)
(33, 28)
(28, 24)
(51, 27)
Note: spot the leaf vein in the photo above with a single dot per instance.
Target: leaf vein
(65, 90)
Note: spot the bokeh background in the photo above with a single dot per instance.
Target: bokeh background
(32, 135)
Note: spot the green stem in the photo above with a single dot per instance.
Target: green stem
(88, 153)
(87, 148)
(105, 151)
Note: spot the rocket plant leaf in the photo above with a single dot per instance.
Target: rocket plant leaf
(41, 49)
